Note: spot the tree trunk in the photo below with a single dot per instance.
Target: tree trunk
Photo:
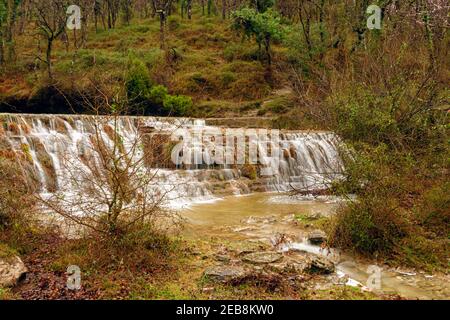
(2, 58)
(10, 21)
(268, 53)
(49, 57)
(162, 22)
(189, 9)
(224, 9)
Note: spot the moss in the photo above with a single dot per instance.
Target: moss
(313, 221)
(6, 251)
(249, 171)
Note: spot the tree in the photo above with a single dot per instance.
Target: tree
(2, 22)
(127, 9)
(264, 27)
(113, 190)
(51, 23)
(186, 7)
(8, 15)
(263, 5)
(161, 7)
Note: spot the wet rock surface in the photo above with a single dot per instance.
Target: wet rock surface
(225, 273)
(321, 265)
(317, 237)
(262, 257)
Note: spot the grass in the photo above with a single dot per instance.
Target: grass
(209, 62)
(6, 251)
(309, 221)
(6, 294)
(176, 274)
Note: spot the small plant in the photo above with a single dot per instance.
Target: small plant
(16, 197)
(177, 105)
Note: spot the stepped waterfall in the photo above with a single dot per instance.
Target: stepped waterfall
(54, 147)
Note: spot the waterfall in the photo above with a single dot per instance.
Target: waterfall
(58, 145)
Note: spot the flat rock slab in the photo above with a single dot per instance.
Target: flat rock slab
(12, 270)
(321, 265)
(225, 273)
(247, 247)
(317, 237)
(262, 257)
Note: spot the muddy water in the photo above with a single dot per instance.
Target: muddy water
(261, 217)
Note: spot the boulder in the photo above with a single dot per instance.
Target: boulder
(12, 271)
(246, 247)
(222, 258)
(262, 257)
(320, 265)
(224, 273)
(317, 237)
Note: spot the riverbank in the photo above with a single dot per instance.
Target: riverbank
(244, 247)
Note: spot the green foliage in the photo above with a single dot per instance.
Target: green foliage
(153, 100)
(263, 27)
(370, 225)
(177, 105)
(258, 25)
(138, 82)
(158, 94)
(2, 11)
(264, 5)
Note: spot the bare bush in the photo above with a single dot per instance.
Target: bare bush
(109, 189)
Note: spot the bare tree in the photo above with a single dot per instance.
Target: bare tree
(110, 187)
(51, 23)
(162, 7)
(7, 24)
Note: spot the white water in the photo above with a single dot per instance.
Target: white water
(57, 145)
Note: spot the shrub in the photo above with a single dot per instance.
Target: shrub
(433, 211)
(370, 225)
(174, 22)
(177, 105)
(238, 51)
(16, 199)
(138, 81)
(158, 94)
(227, 77)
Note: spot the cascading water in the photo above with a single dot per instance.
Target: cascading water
(52, 143)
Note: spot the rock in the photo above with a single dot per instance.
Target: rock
(12, 271)
(288, 268)
(243, 229)
(262, 257)
(208, 290)
(317, 237)
(320, 265)
(222, 258)
(315, 216)
(225, 273)
(250, 246)
(260, 220)
(278, 240)
(289, 218)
